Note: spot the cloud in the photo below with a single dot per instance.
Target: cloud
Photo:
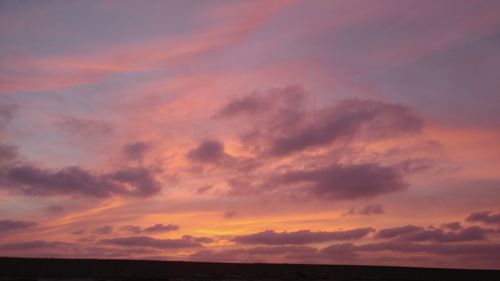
(54, 209)
(8, 154)
(208, 151)
(419, 234)
(203, 189)
(276, 101)
(452, 226)
(132, 229)
(345, 120)
(135, 151)
(85, 127)
(103, 230)
(157, 228)
(250, 104)
(367, 211)
(230, 214)
(345, 181)
(28, 179)
(270, 237)
(7, 111)
(12, 225)
(397, 231)
(485, 217)
(145, 241)
(161, 228)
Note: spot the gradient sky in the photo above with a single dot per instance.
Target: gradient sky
(336, 132)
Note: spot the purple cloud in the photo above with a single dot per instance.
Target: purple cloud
(135, 151)
(419, 234)
(28, 179)
(485, 217)
(230, 214)
(397, 231)
(367, 211)
(270, 237)
(7, 111)
(161, 228)
(12, 225)
(209, 151)
(104, 230)
(345, 182)
(452, 226)
(145, 241)
(345, 120)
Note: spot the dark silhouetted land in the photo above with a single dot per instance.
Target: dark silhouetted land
(31, 269)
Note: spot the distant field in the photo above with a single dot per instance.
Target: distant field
(28, 269)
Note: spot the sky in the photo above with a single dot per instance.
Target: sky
(323, 132)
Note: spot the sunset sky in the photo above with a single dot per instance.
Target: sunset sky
(332, 132)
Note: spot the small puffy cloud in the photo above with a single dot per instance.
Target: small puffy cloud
(270, 237)
(487, 217)
(208, 152)
(203, 189)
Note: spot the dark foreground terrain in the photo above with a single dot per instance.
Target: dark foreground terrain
(30, 269)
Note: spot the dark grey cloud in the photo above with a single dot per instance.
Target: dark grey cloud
(145, 241)
(12, 225)
(85, 127)
(419, 234)
(487, 217)
(271, 237)
(136, 151)
(345, 181)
